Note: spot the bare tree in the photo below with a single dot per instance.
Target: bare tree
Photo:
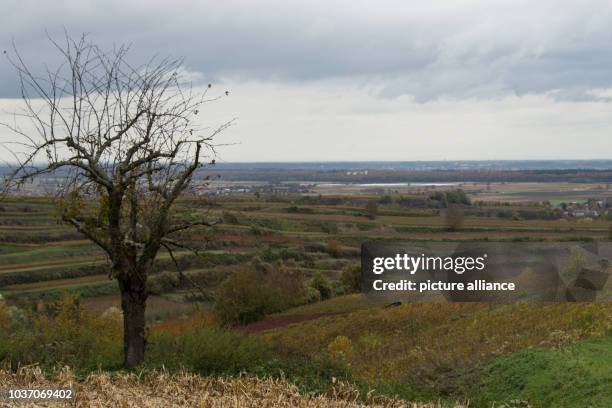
(126, 140)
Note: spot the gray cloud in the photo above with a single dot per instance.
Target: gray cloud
(464, 49)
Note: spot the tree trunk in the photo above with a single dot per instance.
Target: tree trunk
(133, 303)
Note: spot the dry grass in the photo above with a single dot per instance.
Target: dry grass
(187, 390)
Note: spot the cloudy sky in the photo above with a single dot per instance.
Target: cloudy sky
(379, 80)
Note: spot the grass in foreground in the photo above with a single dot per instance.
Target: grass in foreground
(160, 389)
(579, 375)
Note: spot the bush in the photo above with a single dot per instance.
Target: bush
(323, 285)
(63, 335)
(351, 278)
(253, 292)
(230, 218)
(334, 248)
(312, 295)
(340, 349)
(241, 300)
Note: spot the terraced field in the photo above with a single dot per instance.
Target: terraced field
(40, 257)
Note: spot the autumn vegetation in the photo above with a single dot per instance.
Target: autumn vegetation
(272, 295)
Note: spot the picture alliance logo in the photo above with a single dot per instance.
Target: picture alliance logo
(413, 264)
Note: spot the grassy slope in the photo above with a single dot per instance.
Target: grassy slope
(423, 350)
(576, 376)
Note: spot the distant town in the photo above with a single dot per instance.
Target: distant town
(582, 190)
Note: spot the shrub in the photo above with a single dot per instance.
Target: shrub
(323, 285)
(351, 278)
(290, 282)
(64, 335)
(312, 295)
(334, 248)
(340, 349)
(17, 318)
(252, 292)
(241, 300)
(230, 218)
(338, 289)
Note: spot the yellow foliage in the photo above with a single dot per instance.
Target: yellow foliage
(422, 340)
(73, 334)
(340, 349)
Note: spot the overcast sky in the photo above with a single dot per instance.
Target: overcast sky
(351, 80)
